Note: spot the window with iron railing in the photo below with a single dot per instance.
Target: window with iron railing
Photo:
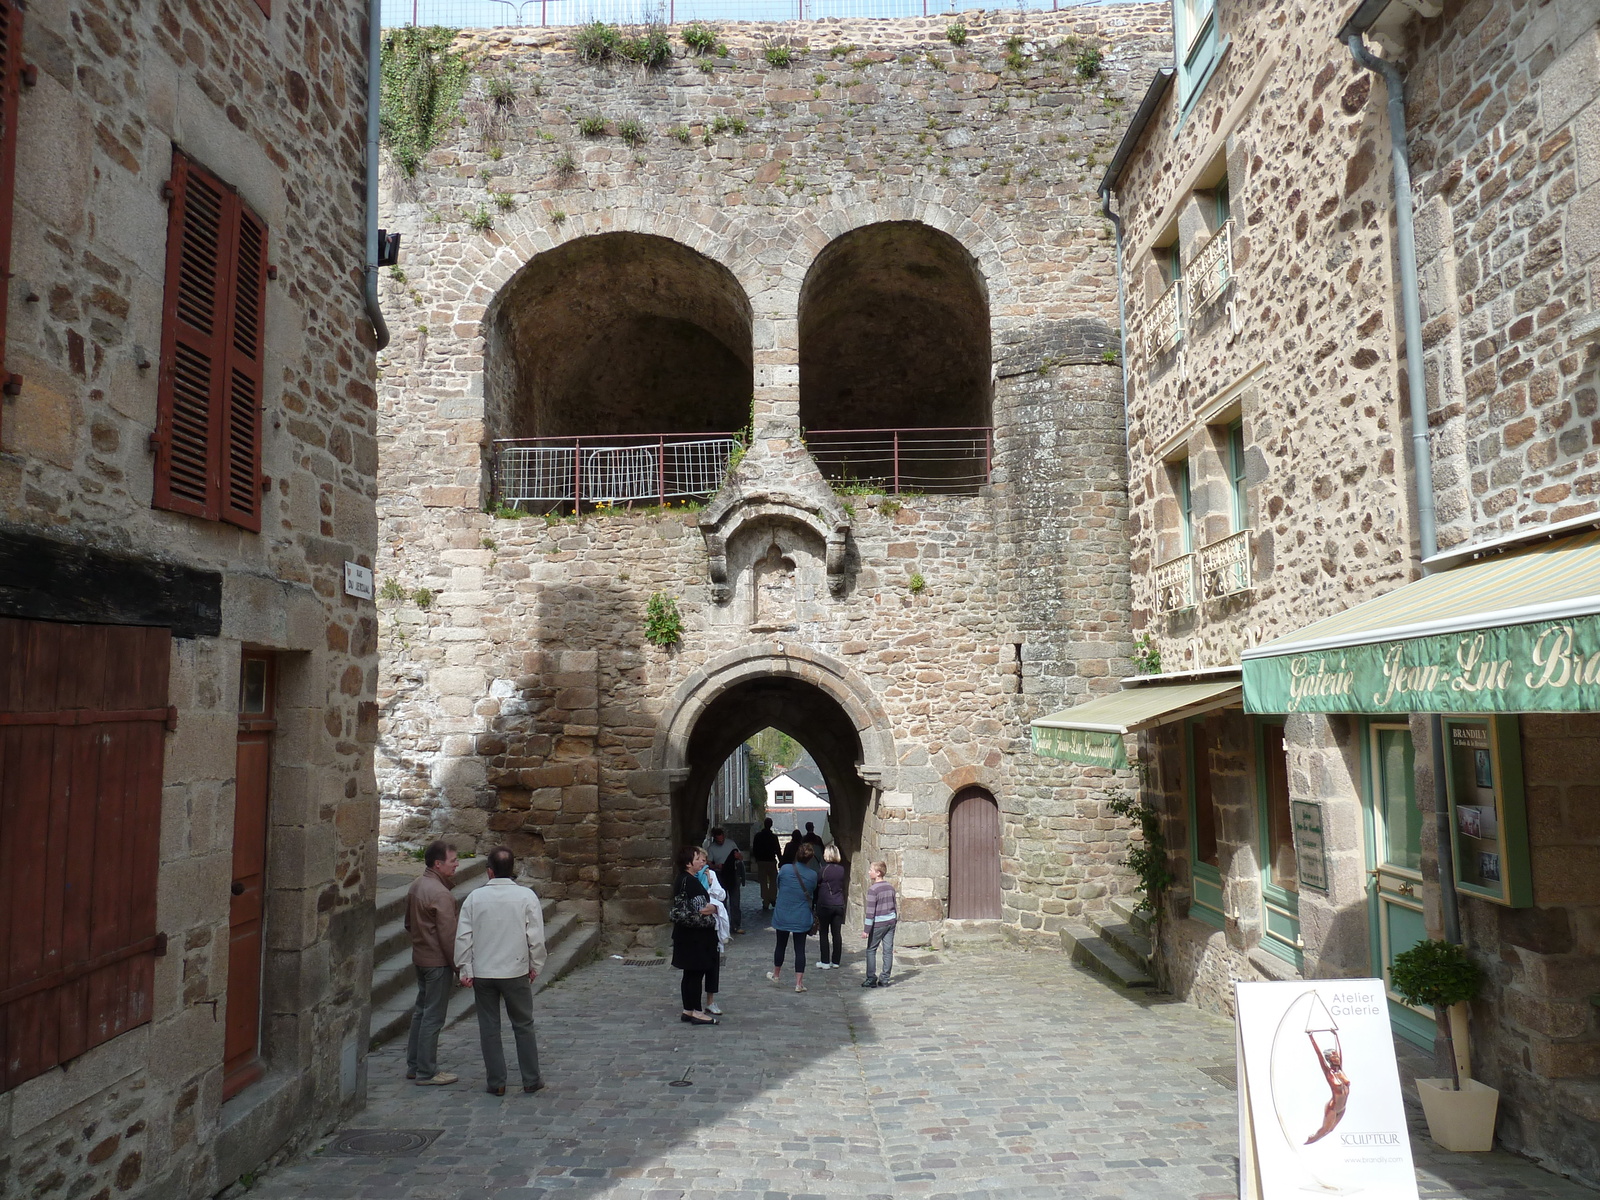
(1163, 320)
(1174, 584)
(1211, 269)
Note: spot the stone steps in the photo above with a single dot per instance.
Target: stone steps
(966, 934)
(1115, 945)
(569, 940)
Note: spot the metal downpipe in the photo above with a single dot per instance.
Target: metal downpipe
(380, 330)
(1421, 452)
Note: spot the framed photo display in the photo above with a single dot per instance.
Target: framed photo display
(1488, 819)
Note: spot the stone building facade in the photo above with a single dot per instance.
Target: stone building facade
(840, 226)
(1271, 483)
(259, 108)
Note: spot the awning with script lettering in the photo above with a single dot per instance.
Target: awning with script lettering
(1517, 632)
(1092, 733)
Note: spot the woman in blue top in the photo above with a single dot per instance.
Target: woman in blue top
(792, 917)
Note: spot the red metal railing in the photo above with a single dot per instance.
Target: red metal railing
(543, 474)
(946, 461)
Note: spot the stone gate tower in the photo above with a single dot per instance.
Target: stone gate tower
(878, 253)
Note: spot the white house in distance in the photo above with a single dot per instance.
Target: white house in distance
(795, 796)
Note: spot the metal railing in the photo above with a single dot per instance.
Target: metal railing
(1174, 582)
(1213, 266)
(950, 462)
(544, 474)
(1225, 566)
(1163, 320)
(494, 14)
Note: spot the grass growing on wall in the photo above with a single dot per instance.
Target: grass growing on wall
(422, 80)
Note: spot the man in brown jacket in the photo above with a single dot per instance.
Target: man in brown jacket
(431, 921)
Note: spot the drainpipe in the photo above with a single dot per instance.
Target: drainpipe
(1421, 454)
(380, 330)
(1122, 302)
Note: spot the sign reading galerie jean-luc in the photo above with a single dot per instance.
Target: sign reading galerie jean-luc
(1088, 746)
(1320, 1111)
(1543, 667)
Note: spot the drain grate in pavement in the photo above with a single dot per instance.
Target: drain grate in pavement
(643, 962)
(383, 1143)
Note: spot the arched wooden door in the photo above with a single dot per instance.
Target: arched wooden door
(974, 856)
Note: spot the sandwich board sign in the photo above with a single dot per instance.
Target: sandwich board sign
(1320, 1112)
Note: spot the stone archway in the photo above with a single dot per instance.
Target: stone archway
(813, 698)
(618, 333)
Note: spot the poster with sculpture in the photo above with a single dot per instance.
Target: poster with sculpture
(1320, 1112)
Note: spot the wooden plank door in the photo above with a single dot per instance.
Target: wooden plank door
(974, 856)
(247, 909)
(83, 722)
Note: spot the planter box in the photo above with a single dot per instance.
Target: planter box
(1461, 1120)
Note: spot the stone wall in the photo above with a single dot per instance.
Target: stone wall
(273, 107)
(1504, 109)
(524, 704)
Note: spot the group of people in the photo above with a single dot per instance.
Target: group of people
(804, 896)
(493, 944)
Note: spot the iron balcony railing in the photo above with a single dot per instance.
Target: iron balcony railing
(1213, 266)
(544, 474)
(950, 461)
(1163, 320)
(1225, 566)
(1175, 584)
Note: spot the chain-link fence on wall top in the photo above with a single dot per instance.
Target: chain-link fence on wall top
(486, 14)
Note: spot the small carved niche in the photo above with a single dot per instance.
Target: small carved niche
(774, 599)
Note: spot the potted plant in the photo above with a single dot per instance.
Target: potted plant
(1460, 1110)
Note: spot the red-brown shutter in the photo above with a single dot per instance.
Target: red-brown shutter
(10, 77)
(208, 433)
(83, 719)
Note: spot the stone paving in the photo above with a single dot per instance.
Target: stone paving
(988, 1074)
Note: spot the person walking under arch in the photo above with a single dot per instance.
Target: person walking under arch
(725, 859)
(764, 850)
(694, 935)
(831, 885)
(813, 839)
(793, 916)
(790, 848)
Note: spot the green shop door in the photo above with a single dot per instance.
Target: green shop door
(1394, 867)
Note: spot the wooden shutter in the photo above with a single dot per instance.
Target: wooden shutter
(10, 77)
(83, 719)
(208, 433)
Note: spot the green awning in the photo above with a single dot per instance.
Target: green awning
(1516, 632)
(1092, 733)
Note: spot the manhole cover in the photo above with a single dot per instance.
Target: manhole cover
(383, 1143)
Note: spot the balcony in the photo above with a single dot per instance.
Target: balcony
(1211, 269)
(554, 474)
(949, 462)
(1163, 320)
(1225, 566)
(1175, 584)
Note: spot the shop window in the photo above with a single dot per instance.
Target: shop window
(208, 423)
(1196, 46)
(1204, 856)
(1280, 875)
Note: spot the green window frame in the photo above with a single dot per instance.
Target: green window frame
(1196, 47)
(1236, 476)
(1220, 195)
(1184, 487)
(1205, 876)
(1280, 889)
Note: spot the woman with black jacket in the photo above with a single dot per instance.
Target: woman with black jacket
(694, 935)
(830, 908)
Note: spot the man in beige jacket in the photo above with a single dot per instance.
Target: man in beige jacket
(431, 921)
(500, 952)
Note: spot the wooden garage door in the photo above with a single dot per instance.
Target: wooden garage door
(974, 856)
(83, 718)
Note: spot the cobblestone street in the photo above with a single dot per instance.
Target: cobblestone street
(1001, 1073)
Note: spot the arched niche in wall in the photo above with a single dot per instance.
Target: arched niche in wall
(894, 332)
(618, 333)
